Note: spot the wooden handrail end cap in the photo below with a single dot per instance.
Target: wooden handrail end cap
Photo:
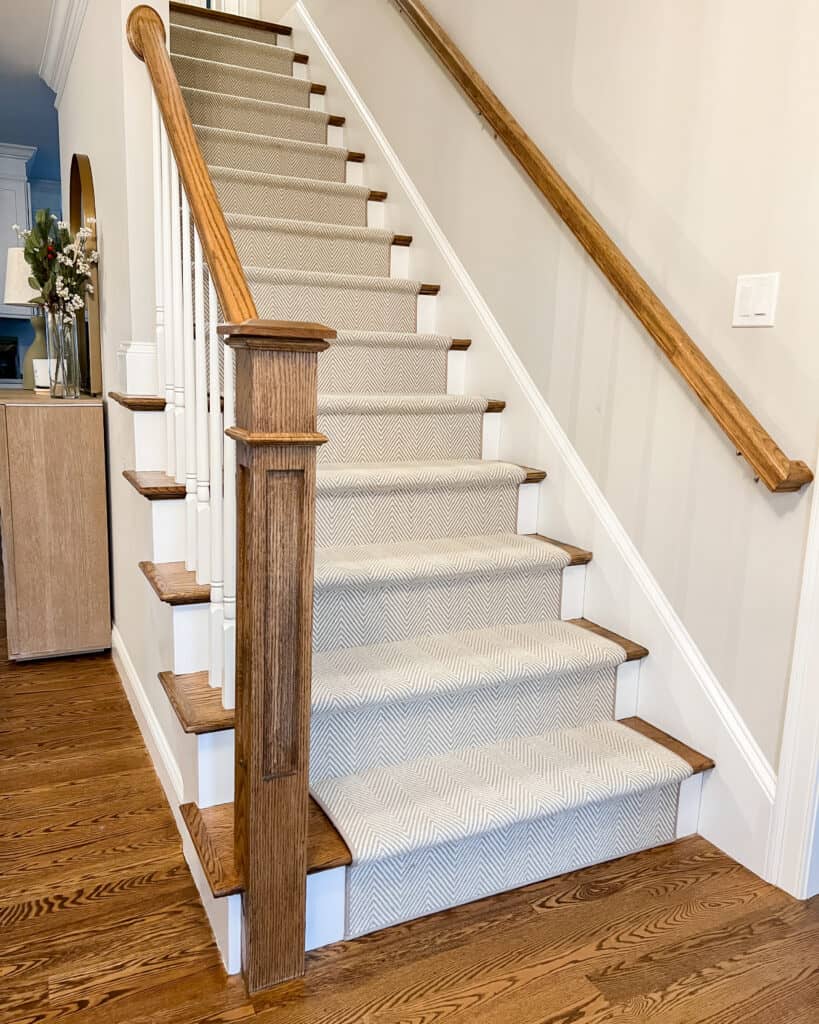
(277, 335)
(140, 17)
(799, 475)
(258, 439)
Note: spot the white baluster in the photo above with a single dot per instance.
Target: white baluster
(190, 388)
(159, 274)
(178, 333)
(229, 682)
(217, 539)
(201, 412)
(169, 297)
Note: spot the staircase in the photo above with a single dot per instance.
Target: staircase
(470, 731)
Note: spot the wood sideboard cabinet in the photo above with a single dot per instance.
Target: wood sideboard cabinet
(54, 523)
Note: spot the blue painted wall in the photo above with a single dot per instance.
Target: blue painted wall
(28, 118)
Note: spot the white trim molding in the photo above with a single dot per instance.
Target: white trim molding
(64, 25)
(738, 799)
(155, 739)
(793, 845)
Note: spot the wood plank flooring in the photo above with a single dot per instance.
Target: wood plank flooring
(100, 922)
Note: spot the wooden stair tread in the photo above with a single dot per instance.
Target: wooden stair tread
(495, 405)
(403, 240)
(211, 829)
(460, 344)
(698, 762)
(197, 704)
(634, 651)
(138, 403)
(429, 289)
(577, 556)
(318, 90)
(174, 584)
(233, 19)
(533, 476)
(354, 157)
(377, 196)
(154, 484)
(336, 120)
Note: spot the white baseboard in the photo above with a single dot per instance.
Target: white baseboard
(681, 693)
(166, 765)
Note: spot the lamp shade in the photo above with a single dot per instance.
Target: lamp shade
(18, 290)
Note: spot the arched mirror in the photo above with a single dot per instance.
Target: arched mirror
(83, 213)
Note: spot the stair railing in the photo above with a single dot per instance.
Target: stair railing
(771, 465)
(241, 398)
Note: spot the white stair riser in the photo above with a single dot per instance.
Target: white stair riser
(149, 440)
(573, 593)
(688, 808)
(168, 522)
(191, 638)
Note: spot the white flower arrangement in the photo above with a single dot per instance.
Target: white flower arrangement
(60, 264)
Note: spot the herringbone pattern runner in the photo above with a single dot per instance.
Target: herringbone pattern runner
(463, 739)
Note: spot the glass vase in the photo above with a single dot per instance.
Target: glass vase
(63, 355)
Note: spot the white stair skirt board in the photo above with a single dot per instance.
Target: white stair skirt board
(191, 638)
(168, 524)
(679, 692)
(224, 914)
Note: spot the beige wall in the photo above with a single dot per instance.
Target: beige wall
(685, 127)
(105, 112)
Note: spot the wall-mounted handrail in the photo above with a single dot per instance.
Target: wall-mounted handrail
(750, 438)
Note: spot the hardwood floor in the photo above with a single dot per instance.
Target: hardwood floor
(100, 922)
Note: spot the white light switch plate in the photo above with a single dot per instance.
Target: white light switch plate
(755, 301)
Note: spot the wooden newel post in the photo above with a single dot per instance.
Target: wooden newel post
(276, 371)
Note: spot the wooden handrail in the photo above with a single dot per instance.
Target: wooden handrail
(750, 438)
(146, 37)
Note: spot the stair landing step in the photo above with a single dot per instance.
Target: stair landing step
(174, 584)
(211, 829)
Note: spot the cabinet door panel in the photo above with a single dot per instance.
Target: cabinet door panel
(56, 465)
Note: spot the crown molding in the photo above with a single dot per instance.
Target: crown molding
(21, 154)
(64, 24)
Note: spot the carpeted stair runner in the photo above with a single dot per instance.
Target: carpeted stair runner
(463, 739)
(400, 428)
(302, 245)
(385, 362)
(355, 301)
(328, 202)
(369, 594)
(385, 503)
(432, 833)
(261, 117)
(244, 151)
(381, 705)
